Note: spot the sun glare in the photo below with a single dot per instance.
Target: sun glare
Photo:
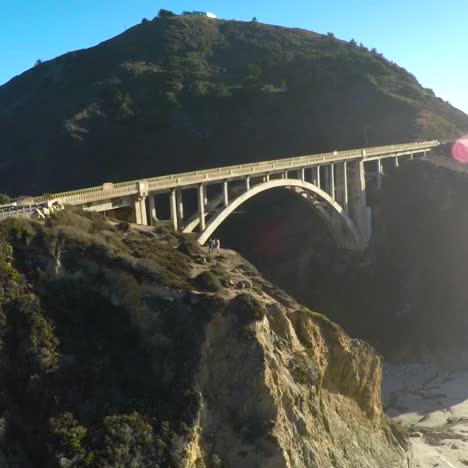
(460, 150)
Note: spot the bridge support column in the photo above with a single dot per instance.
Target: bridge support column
(225, 193)
(152, 210)
(201, 206)
(330, 180)
(173, 206)
(302, 174)
(342, 185)
(379, 174)
(360, 213)
(396, 161)
(316, 176)
(140, 204)
(247, 183)
(180, 206)
(139, 209)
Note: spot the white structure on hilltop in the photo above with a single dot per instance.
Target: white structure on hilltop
(199, 13)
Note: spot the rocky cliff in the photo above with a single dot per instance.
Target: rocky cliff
(122, 345)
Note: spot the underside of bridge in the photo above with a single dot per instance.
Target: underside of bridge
(341, 226)
(290, 243)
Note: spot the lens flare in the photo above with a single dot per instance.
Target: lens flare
(460, 150)
(270, 239)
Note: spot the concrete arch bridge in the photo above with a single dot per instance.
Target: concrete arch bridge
(333, 183)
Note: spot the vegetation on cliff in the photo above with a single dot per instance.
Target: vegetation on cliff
(111, 354)
(183, 92)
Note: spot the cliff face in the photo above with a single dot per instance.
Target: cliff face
(185, 93)
(120, 345)
(292, 390)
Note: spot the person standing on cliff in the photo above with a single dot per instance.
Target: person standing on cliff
(218, 244)
(211, 244)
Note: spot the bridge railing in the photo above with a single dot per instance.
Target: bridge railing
(121, 189)
(8, 211)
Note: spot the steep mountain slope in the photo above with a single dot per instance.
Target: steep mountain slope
(181, 93)
(123, 348)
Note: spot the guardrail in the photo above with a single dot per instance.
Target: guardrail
(8, 211)
(122, 189)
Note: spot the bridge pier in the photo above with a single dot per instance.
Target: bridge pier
(358, 204)
(139, 209)
(180, 207)
(225, 193)
(379, 174)
(201, 206)
(330, 180)
(173, 207)
(139, 206)
(152, 210)
(342, 185)
(316, 176)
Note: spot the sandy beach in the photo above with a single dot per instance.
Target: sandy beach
(433, 404)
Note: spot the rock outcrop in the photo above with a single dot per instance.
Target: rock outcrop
(291, 390)
(132, 351)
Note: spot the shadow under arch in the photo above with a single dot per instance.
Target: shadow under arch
(341, 225)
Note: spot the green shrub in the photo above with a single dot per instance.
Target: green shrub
(35, 343)
(220, 272)
(247, 308)
(126, 440)
(4, 198)
(207, 281)
(17, 229)
(189, 246)
(67, 435)
(174, 266)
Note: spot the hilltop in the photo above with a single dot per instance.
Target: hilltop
(182, 92)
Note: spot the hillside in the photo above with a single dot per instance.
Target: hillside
(123, 347)
(179, 93)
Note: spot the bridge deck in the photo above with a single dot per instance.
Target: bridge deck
(188, 179)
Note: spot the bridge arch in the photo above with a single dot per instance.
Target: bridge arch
(341, 225)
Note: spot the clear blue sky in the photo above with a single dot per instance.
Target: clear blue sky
(426, 37)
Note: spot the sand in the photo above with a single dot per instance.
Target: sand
(433, 404)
